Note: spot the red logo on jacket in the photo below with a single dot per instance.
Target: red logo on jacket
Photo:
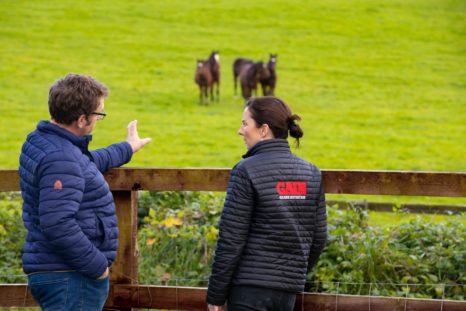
(58, 185)
(291, 189)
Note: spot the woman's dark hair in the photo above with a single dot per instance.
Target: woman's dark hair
(73, 96)
(277, 115)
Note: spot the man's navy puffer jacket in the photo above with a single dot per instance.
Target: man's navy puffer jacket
(68, 209)
(274, 223)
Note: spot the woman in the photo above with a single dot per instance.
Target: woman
(274, 224)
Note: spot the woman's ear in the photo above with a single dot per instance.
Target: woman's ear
(265, 129)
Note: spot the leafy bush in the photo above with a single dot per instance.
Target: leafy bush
(177, 241)
(178, 237)
(421, 253)
(12, 234)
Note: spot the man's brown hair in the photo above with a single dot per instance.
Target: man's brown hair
(73, 96)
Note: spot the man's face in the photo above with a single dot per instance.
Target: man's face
(93, 118)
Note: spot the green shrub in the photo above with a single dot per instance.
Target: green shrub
(12, 234)
(178, 237)
(177, 241)
(423, 253)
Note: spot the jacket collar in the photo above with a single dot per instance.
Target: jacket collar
(269, 145)
(82, 142)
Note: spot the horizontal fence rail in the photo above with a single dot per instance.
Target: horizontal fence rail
(193, 298)
(448, 184)
(189, 298)
(413, 208)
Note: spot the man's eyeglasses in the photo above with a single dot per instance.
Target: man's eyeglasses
(100, 115)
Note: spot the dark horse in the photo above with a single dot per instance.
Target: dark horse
(239, 65)
(214, 65)
(249, 75)
(268, 83)
(204, 79)
(261, 74)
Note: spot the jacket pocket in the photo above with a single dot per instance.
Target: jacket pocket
(102, 235)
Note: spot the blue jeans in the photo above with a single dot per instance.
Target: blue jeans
(68, 290)
(248, 298)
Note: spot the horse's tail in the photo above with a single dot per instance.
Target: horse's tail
(236, 73)
(235, 79)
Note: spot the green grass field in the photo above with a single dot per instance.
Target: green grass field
(378, 84)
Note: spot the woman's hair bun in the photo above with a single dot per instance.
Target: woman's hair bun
(295, 129)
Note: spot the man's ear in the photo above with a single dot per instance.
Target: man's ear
(82, 121)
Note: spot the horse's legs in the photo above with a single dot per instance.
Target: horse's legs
(203, 98)
(264, 89)
(211, 92)
(206, 95)
(218, 91)
(246, 92)
(254, 90)
(200, 95)
(235, 78)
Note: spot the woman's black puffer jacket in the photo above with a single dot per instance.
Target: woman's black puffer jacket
(273, 225)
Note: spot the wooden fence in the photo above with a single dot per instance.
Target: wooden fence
(126, 293)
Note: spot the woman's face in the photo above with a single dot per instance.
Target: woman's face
(249, 130)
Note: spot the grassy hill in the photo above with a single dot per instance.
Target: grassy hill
(378, 84)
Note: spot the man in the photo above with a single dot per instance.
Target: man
(68, 209)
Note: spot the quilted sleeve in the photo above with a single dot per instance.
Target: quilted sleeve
(113, 156)
(233, 234)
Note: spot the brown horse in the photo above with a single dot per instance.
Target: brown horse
(239, 65)
(268, 83)
(249, 75)
(214, 64)
(204, 79)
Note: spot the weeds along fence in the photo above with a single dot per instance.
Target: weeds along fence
(126, 293)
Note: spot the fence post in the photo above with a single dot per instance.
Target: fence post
(125, 268)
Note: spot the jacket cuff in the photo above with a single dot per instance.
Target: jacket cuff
(215, 302)
(128, 151)
(100, 271)
(96, 267)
